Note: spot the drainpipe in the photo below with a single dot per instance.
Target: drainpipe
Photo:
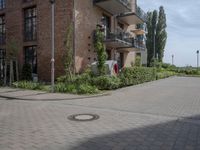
(52, 44)
(74, 35)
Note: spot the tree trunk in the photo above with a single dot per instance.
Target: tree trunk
(5, 73)
(17, 71)
(11, 72)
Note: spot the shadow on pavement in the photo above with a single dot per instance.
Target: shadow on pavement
(180, 134)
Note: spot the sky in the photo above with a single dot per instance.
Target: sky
(183, 28)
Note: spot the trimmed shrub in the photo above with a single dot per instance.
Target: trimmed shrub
(106, 82)
(165, 74)
(137, 75)
(138, 61)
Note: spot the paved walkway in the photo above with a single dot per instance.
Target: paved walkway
(161, 115)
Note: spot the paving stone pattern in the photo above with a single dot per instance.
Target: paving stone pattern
(161, 115)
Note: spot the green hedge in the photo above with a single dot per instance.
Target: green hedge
(165, 74)
(106, 82)
(136, 75)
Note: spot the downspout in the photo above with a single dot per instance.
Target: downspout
(74, 34)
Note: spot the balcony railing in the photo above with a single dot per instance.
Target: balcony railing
(114, 6)
(136, 17)
(122, 40)
(140, 13)
(141, 26)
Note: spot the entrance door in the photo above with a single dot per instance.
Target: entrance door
(2, 64)
(121, 60)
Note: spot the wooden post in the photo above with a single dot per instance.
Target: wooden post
(5, 73)
(11, 73)
(17, 70)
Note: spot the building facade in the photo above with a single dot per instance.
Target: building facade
(26, 25)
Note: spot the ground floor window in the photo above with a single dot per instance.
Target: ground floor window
(31, 57)
(2, 63)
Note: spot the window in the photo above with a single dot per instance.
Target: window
(31, 57)
(30, 33)
(2, 4)
(27, 0)
(2, 30)
(106, 21)
(2, 63)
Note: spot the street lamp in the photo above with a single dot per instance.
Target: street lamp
(52, 44)
(197, 59)
(172, 59)
(154, 46)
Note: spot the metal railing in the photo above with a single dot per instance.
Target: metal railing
(140, 44)
(141, 26)
(120, 35)
(123, 2)
(140, 13)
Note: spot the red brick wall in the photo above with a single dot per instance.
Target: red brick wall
(14, 30)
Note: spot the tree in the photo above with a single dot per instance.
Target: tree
(12, 55)
(101, 51)
(68, 55)
(156, 26)
(152, 19)
(161, 34)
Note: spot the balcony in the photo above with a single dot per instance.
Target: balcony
(121, 40)
(140, 42)
(114, 6)
(137, 17)
(140, 29)
(140, 45)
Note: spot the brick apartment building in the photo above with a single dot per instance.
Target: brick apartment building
(28, 23)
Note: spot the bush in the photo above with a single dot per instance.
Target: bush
(188, 71)
(138, 61)
(78, 79)
(84, 78)
(75, 88)
(137, 75)
(28, 85)
(165, 74)
(26, 72)
(87, 89)
(65, 88)
(106, 82)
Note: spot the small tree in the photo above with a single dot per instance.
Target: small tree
(101, 51)
(138, 61)
(68, 55)
(11, 56)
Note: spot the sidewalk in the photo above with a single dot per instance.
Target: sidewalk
(21, 94)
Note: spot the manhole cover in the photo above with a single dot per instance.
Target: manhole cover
(83, 117)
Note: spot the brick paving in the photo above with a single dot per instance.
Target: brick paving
(161, 115)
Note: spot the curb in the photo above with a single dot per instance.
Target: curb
(74, 98)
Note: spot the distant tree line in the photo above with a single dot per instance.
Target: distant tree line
(156, 26)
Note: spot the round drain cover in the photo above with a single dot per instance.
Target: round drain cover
(83, 117)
